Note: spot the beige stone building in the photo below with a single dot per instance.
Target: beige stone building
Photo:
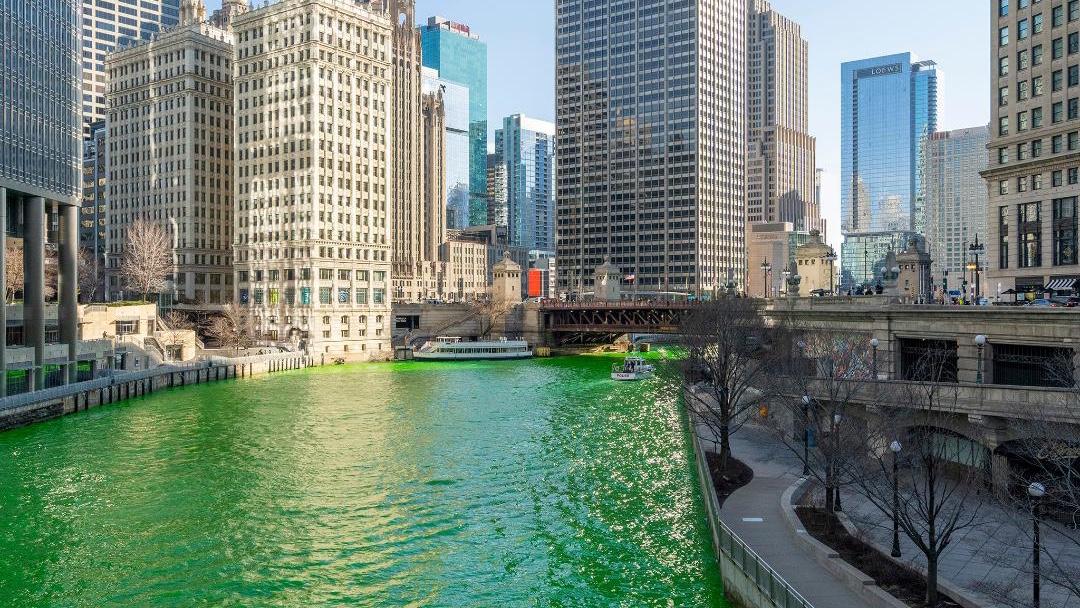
(1034, 171)
(170, 151)
(781, 155)
(817, 266)
(313, 173)
(465, 262)
(770, 251)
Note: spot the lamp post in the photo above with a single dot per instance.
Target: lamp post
(837, 419)
(787, 274)
(766, 268)
(895, 448)
(980, 342)
(874, 343)
(806, 435)
(1036, 490)
(831, 259)
(976, 249)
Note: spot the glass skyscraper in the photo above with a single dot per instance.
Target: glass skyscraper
(527, 146)
(889, 106)
(461, 57)
(458, 146)
(107, 26)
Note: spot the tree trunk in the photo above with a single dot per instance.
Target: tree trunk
(931, 581)
(725, 447)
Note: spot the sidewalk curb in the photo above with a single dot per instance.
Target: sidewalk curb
(854, 579)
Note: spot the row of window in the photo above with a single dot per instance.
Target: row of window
(274, 296)
(325, 274)
(1030, 230)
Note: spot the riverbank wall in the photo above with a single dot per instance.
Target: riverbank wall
(28, 408)
(748, 579)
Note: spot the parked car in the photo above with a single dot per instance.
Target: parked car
(1041, 303)
(1066, 301)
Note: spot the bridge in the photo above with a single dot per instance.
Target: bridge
(598, 322)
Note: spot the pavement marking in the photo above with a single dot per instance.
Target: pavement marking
(752, 520)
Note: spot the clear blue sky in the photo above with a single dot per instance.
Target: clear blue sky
(954, 33)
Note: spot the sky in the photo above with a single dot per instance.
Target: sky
(954, 33)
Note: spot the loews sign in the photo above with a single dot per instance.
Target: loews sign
(881, 70)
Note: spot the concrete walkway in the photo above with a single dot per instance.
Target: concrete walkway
(754, 513)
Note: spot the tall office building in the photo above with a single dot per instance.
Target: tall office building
(1034, 175)
(651, 143)
(497, 192)
(956, 200)
(526, 147)
(40, 184)
(461, 57)
(170, 138)
(781, 156)
(455, 101)
(314, 93)
(108, 26)
(92, 215)
(889, 107)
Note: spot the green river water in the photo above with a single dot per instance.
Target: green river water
(537, 483)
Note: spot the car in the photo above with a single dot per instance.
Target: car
(1041, 303)
(1066, 301)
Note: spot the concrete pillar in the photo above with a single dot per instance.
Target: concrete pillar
(3, 291)
(69, 290)
(34, 284)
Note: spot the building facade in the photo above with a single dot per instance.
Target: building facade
(40, 188)
(781, 155)
(455, 101)
(889, 107)
(770, 252)
(526, 147)
(460, 56)
(93, 212)
(956, 201)
(498, 195)
(651, 152)
(1034, 166)
(109, 26)
(313, 168)
(170, 140)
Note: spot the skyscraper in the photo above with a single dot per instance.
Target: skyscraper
(651, 143)
(92, 214)
(313, 174)
(497, 194)
(40, 184)
(956, 199)
(171, 159)
(781, 156)
(461, 57)
(455, 101)
(1034, 175)
(108, 26)
(527, 148)
(889, 107)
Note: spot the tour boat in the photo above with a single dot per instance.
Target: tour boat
(632, 368)
(455, 349)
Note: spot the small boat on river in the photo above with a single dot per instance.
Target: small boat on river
(632, 368)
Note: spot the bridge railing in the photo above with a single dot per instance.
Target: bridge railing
(613, 304)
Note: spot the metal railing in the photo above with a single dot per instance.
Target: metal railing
(770, 584)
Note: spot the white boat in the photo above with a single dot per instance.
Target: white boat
(455, 349)
(632, 368)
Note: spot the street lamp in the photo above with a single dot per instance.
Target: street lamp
(1036, 490)
(837, 418)
(806, 435)
(874, 343)
(980, 342)
(976, 249)
(895, 447)
(831, 259)
(766, 268)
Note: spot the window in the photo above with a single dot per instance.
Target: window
(1022, 60)
(1057, 112)
(1065, 231)
(1003, 187)
(1057, 144)
(1021, 121)
(324, 295)
(1003, 126)
(1074, 108)
(362, 296)
(1021, 152)
(1057, 16)
(326, 274)
(1074, 176)
(1074, 10)
(1030, 235)
(1003, 8)
(1037, 23)
(378, 295)
(1003, 237)
(1057, 80)
(1036, 148)
(1037, 54)
(1036, 118)
(1037, 86)
(1022, 90)
(1003, 96)
(1074, 75)
(343, 275)
(1003, 36)
(1003, 66)
(275, 296)
(1022, 184)
(1056, 179)
(1074, 43)
(1057, 48)
(1074, 141)
(258, 296)
(1036, 181)
(1003, 156)
(1023, 30)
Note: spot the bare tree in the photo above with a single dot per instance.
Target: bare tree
(731, 352)
(147, 258)
(824, 394)
(940, 489)
(13, 271)
(174, 319)
(488, 312)
(232, 329)
(90, 275)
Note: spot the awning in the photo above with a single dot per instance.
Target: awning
(1061, 284)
